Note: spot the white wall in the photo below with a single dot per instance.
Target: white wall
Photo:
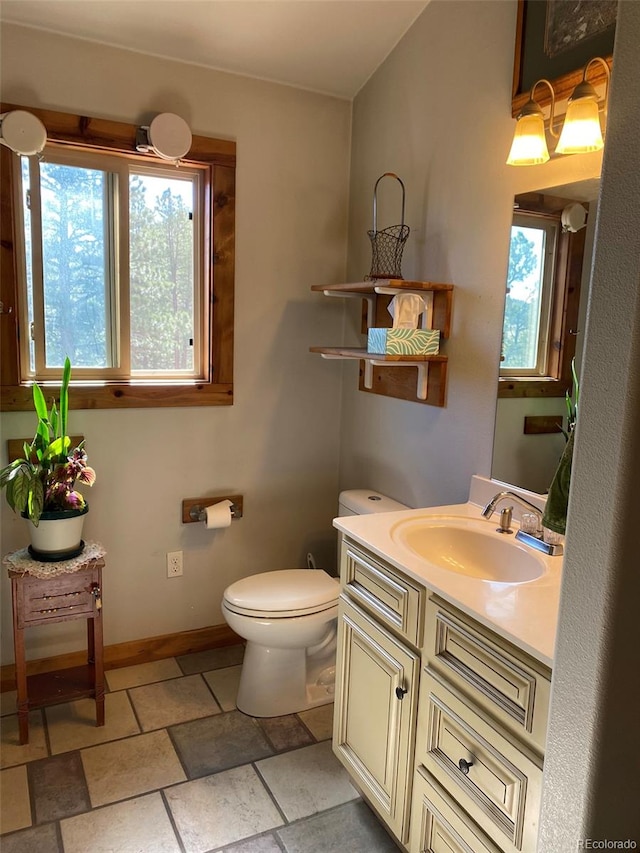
(278, 443)
(438, 113)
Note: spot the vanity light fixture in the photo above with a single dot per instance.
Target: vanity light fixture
(529, 147)
(581, 131)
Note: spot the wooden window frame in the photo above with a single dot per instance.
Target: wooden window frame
(219, 157)
(564, 312)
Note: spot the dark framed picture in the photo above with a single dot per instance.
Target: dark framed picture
(556, 38)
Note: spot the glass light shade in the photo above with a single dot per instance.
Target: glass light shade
(581, 131)
(529, 147)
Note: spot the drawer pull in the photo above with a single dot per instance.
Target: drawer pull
(465, 765)
(401, 692)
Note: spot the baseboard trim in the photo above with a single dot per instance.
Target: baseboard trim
(132, 652)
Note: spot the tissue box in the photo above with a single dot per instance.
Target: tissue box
(404, 341)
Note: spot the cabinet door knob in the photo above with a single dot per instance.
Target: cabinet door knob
(465, 765)
(400, 692)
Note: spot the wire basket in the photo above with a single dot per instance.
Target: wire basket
(387, 244)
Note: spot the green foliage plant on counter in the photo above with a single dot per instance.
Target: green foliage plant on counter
(44, 479)
(571, 401)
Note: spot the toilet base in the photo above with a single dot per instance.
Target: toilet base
(277, 682)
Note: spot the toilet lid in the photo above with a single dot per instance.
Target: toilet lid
(284, 590)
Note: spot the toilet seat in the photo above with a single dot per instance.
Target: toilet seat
(284, 593)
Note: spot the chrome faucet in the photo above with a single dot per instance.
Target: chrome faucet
(487, 512)
(534, 540)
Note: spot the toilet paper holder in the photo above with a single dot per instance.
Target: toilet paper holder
(193, 509)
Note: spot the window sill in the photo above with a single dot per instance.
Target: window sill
(19, 398)
(541, 388)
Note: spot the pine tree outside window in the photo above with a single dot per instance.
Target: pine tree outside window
(113, 275)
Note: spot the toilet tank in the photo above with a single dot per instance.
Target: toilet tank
(366, 501)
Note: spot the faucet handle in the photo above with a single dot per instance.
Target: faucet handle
(531, 522)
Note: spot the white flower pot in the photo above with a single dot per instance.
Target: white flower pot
(58, 535)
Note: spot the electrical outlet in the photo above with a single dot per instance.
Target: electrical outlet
(174, 564)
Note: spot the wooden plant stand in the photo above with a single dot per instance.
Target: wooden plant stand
(43, 601)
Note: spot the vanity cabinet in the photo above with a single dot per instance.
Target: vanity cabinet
(378, 665)
(481, 729)
(440, 721)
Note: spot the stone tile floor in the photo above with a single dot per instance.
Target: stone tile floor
(178, 769)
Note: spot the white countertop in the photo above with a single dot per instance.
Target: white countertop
(524, 613)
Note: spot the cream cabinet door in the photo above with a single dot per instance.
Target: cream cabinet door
(375, 714)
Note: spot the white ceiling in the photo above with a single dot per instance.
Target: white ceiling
(330, 46)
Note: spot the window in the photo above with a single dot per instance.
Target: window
(527, 314)
(542, 300)
(123, 262)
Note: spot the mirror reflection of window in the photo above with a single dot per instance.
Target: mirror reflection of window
(531, 408)
(527, 317)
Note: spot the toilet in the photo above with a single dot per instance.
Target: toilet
(289, 620)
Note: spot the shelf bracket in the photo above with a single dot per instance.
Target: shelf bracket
(422, 385)
(369, 297)
(423, 381)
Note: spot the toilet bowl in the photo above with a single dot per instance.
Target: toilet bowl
(289, 620)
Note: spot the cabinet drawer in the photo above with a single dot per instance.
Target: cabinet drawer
(382, 591)
(438, 826)
(499, 786)
(501, 679)
(64, 597)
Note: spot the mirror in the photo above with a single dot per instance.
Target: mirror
(526, 452)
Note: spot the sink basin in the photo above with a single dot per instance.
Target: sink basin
(469, 547)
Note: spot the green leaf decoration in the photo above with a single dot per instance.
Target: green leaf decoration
(46, 461)
(36, 500)
(40, 404)
(9, 495)
(59, 448)
(20, 490)
(9, 472)
(54, 418)
(64, 396)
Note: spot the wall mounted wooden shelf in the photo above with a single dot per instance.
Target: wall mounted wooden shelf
(393, 375)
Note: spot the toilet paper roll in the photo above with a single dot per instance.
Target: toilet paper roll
(218, 515)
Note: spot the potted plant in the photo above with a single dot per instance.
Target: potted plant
(41, 484)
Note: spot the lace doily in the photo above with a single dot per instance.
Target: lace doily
(21, 561)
